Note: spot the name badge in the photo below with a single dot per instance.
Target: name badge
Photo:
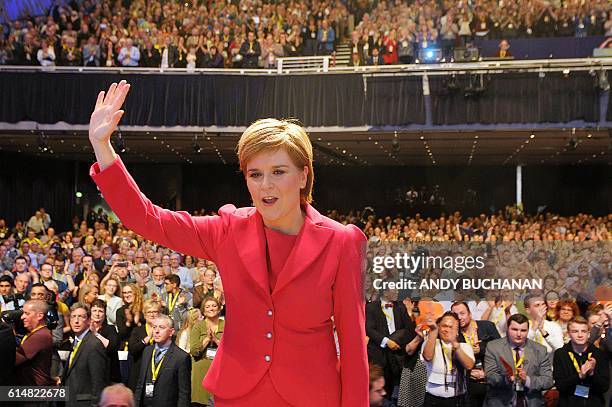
(211, 353)
(582, 391)
(149, 387)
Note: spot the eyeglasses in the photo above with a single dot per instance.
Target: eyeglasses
(128, 293)
(74, 316)
(152, 313)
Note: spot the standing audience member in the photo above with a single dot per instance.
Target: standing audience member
(86, 373)
(165, 372)
(581, 370)
(33, 358)
(517, 369)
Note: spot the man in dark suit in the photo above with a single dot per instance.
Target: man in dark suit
(387, 321)
(165, 370)
(477, 334)
(86, 374)
(580, 369)
(517, 369)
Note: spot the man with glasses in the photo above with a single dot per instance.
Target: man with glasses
(86, 372)
(154, 289)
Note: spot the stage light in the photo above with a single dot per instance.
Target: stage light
(79, 194)
(430, 55)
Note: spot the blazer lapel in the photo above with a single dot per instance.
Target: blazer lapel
(311, 241)
(167, 359)
(250, 242)
(79, 352)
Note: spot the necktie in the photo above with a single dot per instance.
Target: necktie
(520, 395)
(159, 355)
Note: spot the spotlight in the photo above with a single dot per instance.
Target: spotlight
(430, 55)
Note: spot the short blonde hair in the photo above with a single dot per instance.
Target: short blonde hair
(273, 134)
(149, 305)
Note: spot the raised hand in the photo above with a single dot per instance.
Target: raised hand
(106, 114)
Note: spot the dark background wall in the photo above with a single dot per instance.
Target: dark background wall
(27, 183)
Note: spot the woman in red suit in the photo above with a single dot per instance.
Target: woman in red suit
(286, 269)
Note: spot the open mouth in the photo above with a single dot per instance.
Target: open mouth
(269, 200)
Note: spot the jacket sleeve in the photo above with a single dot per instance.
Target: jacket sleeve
(97, 370)
(135, 345)
(496, 377)
(184, 382)
(375, 336)
(196, 236)
(195, 341)
(349, 310)
(544, 379)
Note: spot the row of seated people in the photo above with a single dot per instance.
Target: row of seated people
(197, 35)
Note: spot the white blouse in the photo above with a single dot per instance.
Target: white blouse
(436, 371)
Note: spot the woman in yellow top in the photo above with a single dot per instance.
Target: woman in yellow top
(204, 341)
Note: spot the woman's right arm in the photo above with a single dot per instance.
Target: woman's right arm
(179, 231)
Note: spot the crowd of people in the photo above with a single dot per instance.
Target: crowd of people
(253, 33)
(100, 280)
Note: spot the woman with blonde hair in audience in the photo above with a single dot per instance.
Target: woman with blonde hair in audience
(88, 293)
(113, 302)
(142, 336)
(130, 314)
(204, 340)
(182, 336)
(566, 310)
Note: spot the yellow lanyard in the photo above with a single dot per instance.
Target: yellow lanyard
(172, 301)
(31, 333)
(149, 333)
(470, 338)
(74, 352)
(448, 355)
(518, 363)
(575, 362)
(155, 369)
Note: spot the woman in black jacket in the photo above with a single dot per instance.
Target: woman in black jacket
(108, 336)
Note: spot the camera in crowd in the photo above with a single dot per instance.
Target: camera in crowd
(14, 309)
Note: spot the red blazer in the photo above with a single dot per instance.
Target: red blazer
(289, 331)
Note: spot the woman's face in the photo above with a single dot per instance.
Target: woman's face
(211, 309)
(128, 294)
(98, 314)
(274, 183)
(110, 288)
(566, 313)
(209, 276)
(92, 295)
